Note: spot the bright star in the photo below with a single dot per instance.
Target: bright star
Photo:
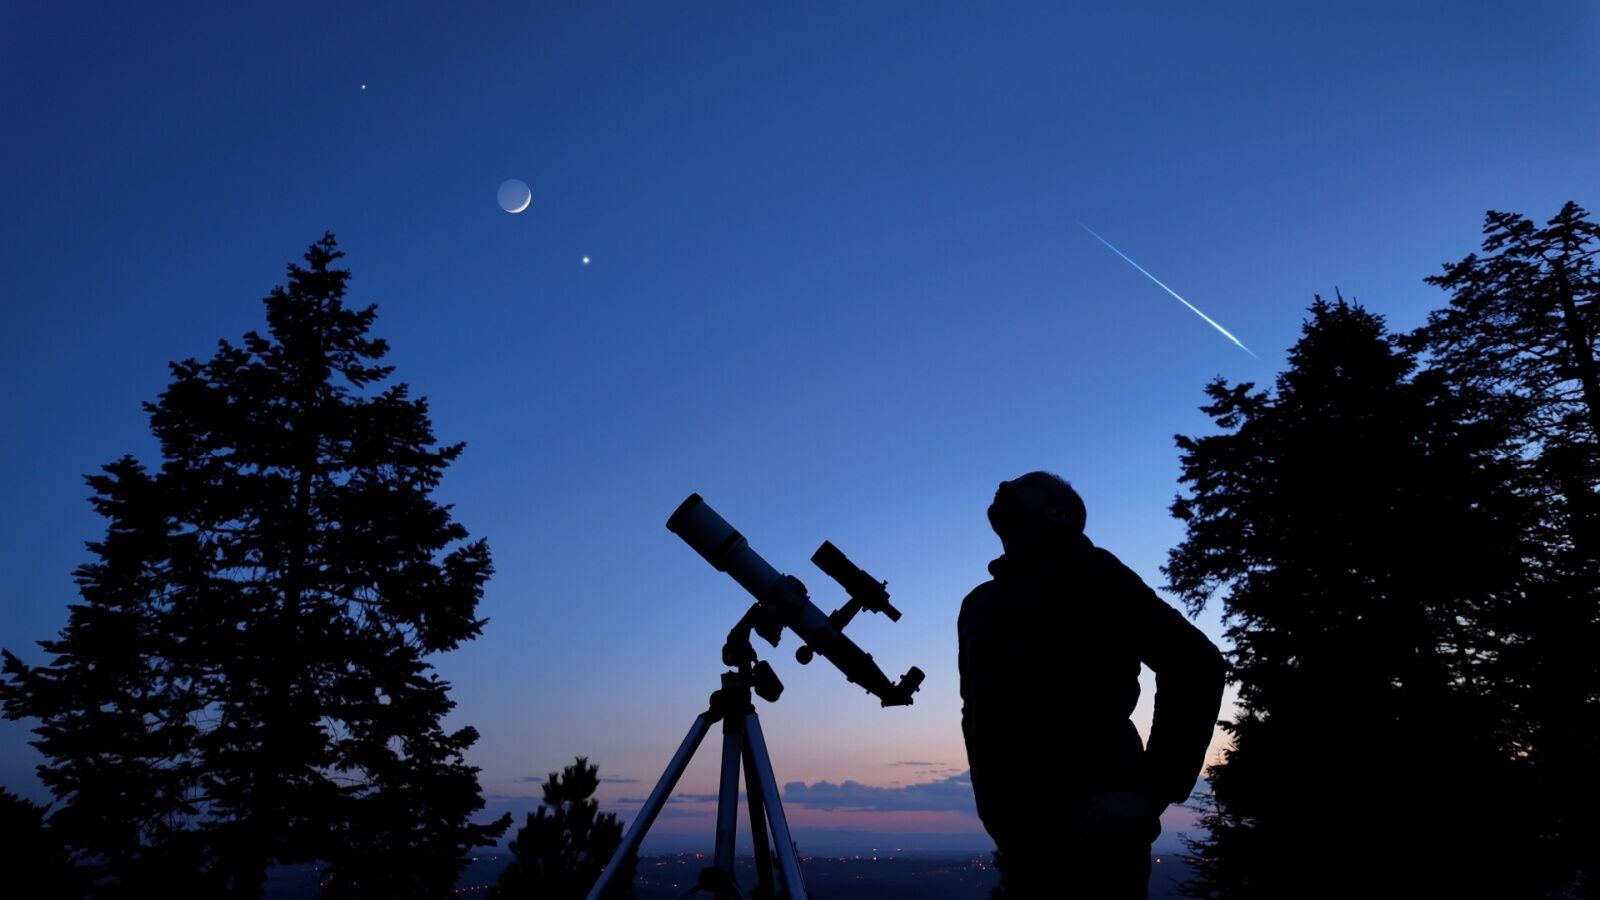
(586, 260)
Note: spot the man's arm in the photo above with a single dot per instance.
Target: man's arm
(976, 669)
(964, 671)
(1190, 674)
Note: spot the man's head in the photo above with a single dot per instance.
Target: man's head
(1036, 509)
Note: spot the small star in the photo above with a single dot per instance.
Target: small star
(586, 260)
(363, 87)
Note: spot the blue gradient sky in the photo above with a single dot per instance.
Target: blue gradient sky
(838, 287)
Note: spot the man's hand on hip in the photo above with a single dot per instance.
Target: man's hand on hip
(1116, 813)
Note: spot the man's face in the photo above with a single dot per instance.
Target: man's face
(1020, 515)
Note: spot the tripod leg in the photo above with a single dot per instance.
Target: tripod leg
(767, 786)
(658, 798)
(758, 825)
(728, 794)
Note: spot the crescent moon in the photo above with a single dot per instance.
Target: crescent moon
(514, 195)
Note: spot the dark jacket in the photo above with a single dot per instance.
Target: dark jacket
(1050, 654)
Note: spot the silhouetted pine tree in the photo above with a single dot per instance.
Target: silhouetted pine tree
(565, 844)
(1521, 334)
(246, 680)
(1359, 526)
(34, 860)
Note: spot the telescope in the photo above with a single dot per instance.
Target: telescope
(782, 602)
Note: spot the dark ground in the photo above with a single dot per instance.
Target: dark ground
(930, 877)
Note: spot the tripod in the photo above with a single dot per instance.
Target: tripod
(742, 741)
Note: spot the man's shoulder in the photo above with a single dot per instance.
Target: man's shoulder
(978, 596)
(982, 590)
(1104, 557)
(1120, 590)
(975, 603)
(1107, 566)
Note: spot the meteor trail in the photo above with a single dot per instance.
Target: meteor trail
(1209, 320)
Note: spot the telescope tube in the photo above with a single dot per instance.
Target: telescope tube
(727, 551)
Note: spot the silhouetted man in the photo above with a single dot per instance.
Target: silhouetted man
(1050, 654)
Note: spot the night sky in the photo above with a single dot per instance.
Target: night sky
(836, 283)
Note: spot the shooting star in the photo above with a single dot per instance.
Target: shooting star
(1209, 321)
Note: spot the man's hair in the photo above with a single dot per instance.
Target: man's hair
(1057, 493)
